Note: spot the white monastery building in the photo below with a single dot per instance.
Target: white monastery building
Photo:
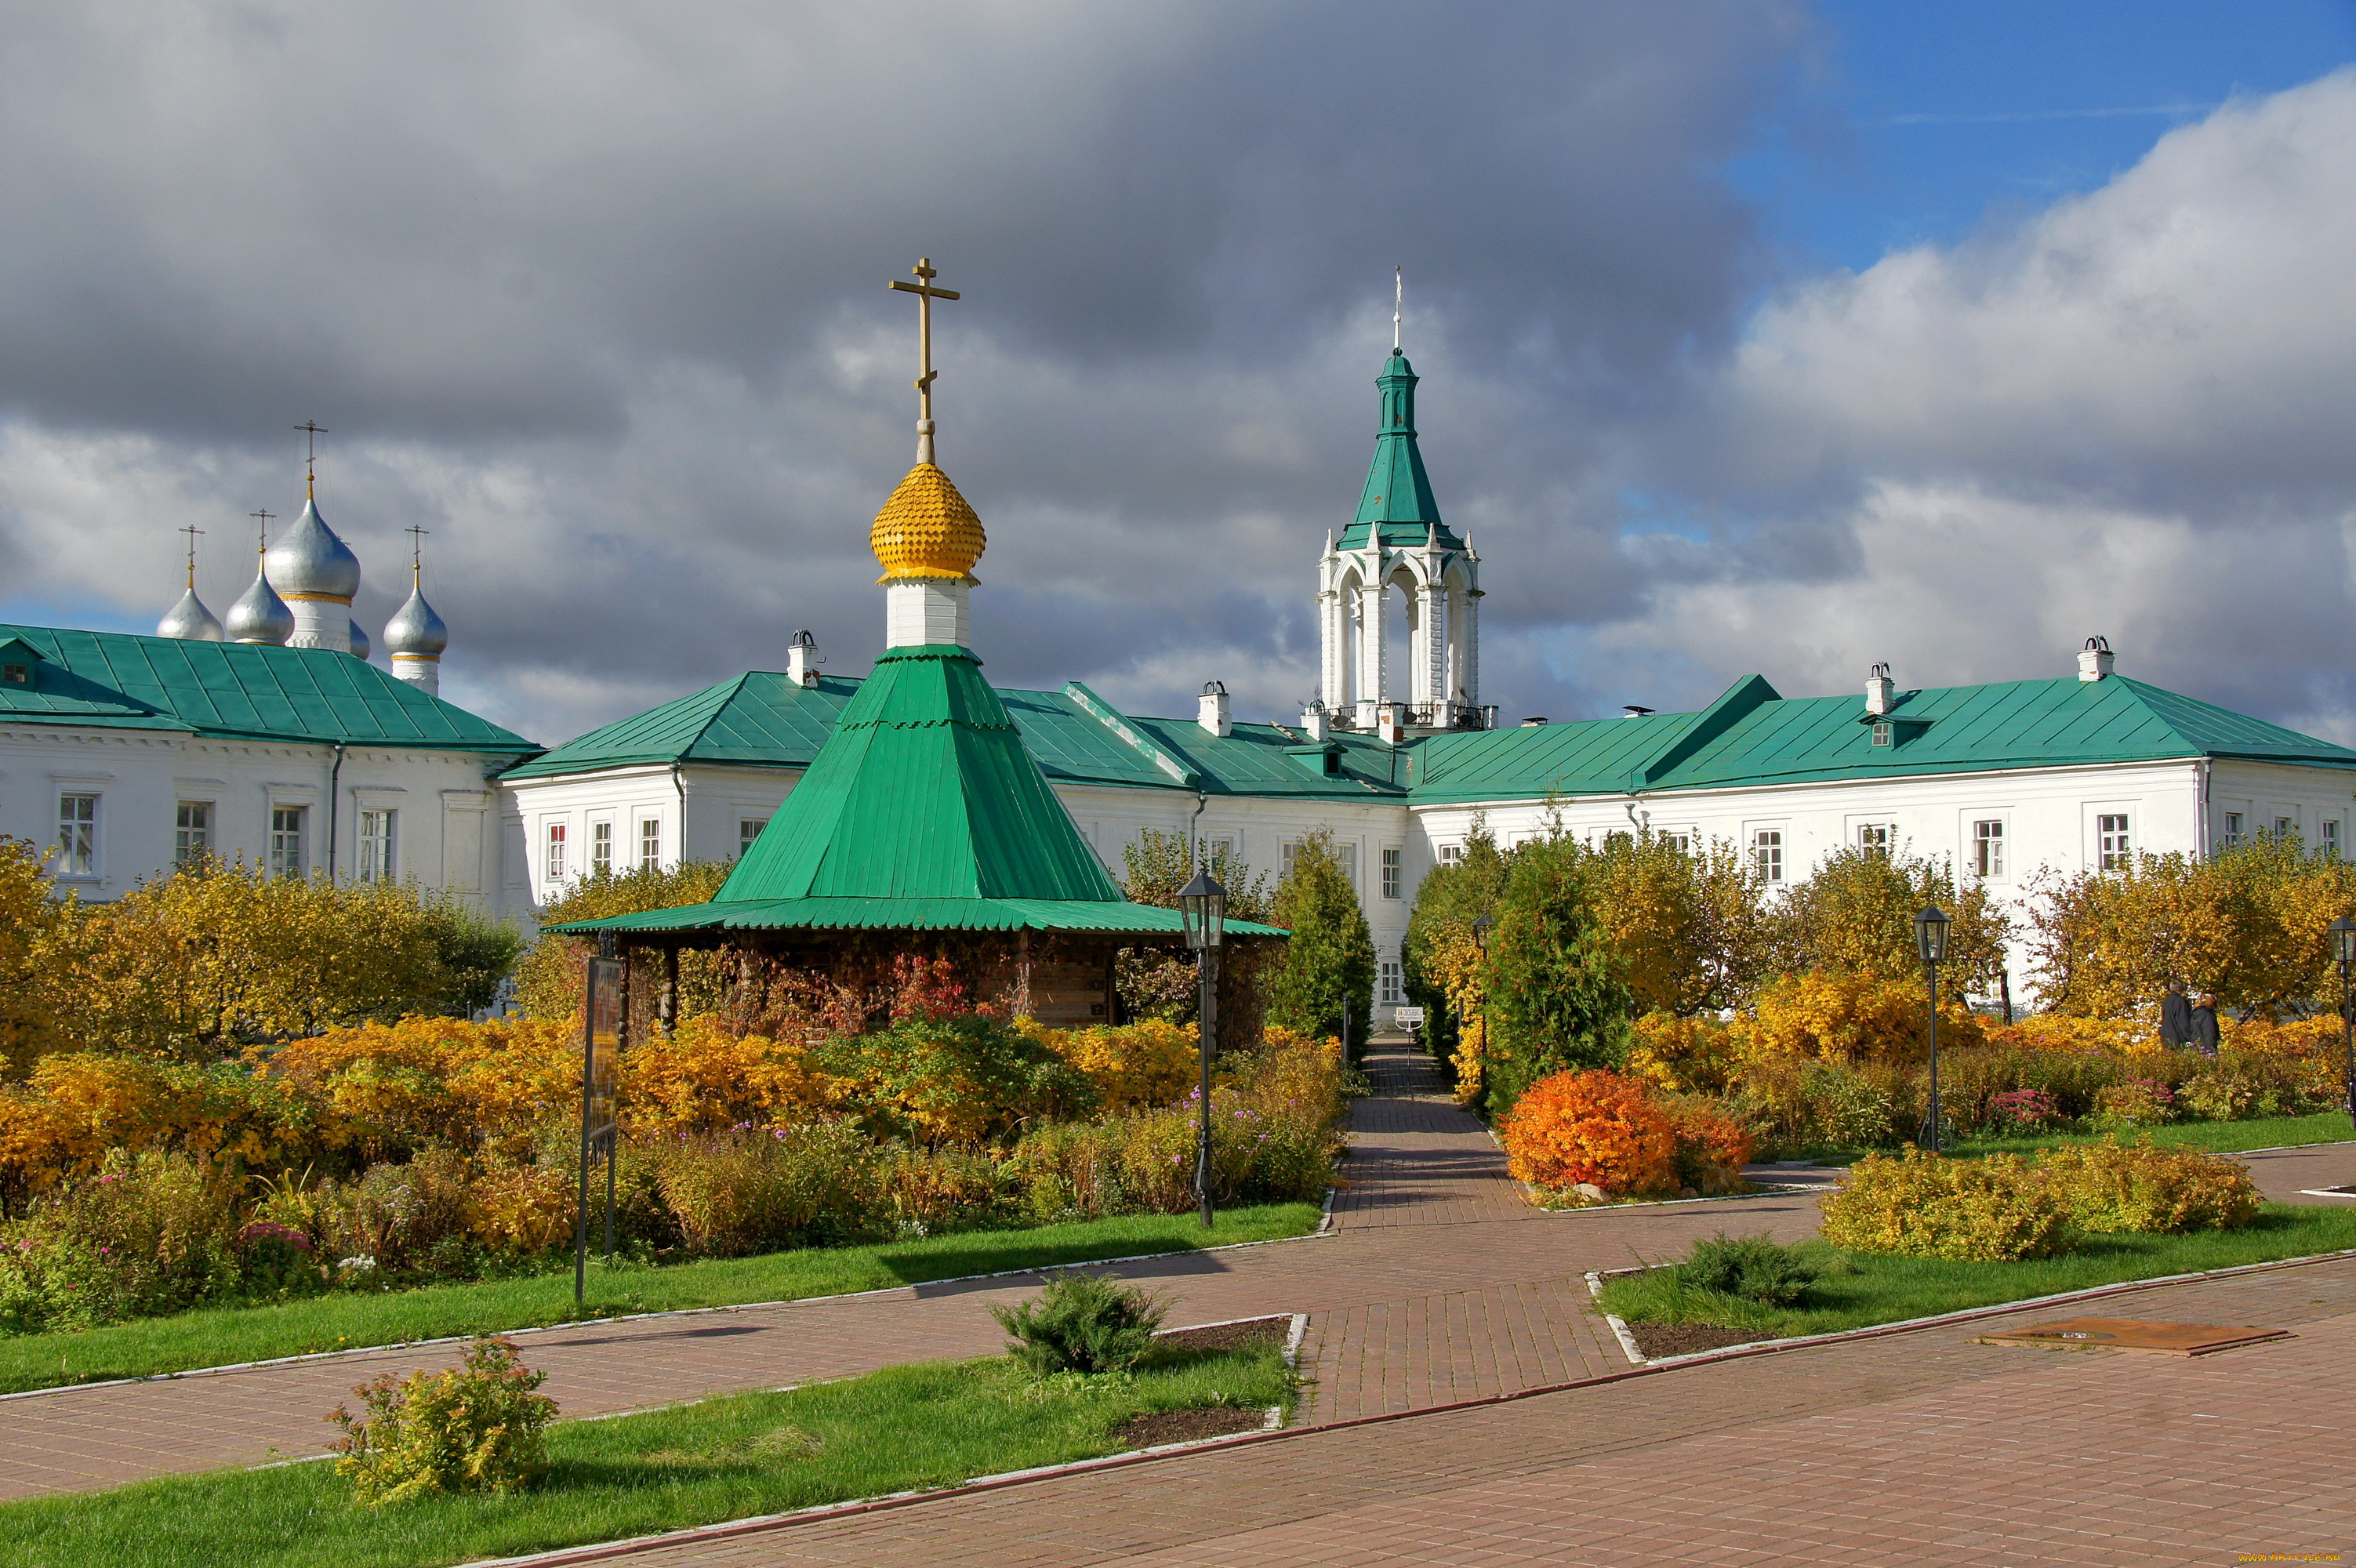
(275, 738)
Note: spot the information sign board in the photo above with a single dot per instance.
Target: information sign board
(600, 1048)
(1406, 1015)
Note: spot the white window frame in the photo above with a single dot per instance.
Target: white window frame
(1394, 871)
(2328, 829)
(1987, 867)
(191, 839)
(555, 847)
(2231, 830)
(601, 846)
(2284, 826)
(287, 851)
(78, 818)
(373, 855)
(745, 840)
(1880, 838)
(1767, 847)
(1679, 839)
(1391, 981)
(1451, 855)
(2114, 847)
(650, 844)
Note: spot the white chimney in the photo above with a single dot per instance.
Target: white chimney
(1213, 713)
(1880, 690)
(801, 659)
(1390, 725)
(1312, 719)
(2095, 660)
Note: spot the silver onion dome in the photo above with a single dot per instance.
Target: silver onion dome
(261, 616)
(359, 643)
(311, 560)
(415, 629)
(189, 621)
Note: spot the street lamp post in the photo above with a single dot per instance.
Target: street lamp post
(1202, 905)
(2343, 953)
(1930, 940)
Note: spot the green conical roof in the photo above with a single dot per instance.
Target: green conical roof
(1398, 499)
(924, 791)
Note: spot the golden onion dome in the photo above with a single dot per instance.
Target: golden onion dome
(926, 529)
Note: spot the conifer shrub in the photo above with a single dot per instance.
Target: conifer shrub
(1558, 996)
(480, 1426)
(1082, 1323)
(1992, 1210)
(1594, 1126)
(1753, 1268)
(2109, 1186)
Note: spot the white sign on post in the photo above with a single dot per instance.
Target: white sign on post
(1408, 1014)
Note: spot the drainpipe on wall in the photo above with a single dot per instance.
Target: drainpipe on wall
(1193, 853)
(335, 795)
(2200, 808)
(678, 782)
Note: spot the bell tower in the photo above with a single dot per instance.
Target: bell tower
(1398, 541)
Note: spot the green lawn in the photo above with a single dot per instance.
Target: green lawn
(2217, 1138)
(932, 1425)
(1863, 1288)
(222, 1335)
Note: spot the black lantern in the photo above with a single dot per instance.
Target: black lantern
(1931, 934)
(2343, 941)
(1203, 905)
(1481, 926)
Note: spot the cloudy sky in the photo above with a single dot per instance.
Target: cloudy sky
(1755, 335)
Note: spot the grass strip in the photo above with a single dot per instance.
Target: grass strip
(2213, 1137)
(214, 1336)
(1861, 1289)
(931, 1425)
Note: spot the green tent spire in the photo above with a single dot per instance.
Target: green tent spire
(1397, 497)
(925, 791)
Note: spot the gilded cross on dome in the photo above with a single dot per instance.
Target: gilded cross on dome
(926, 294)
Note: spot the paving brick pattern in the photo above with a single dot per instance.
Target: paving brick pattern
(1918, 1448)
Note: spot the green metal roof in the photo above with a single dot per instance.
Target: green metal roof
(1751, 736)
(922, 792)
(913, 915)
(764, 719)
(248, 690)
(1397, 497)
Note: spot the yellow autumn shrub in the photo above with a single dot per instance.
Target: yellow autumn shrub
(2059, 1032)
(2110, 1186)
(1828, 1016)
(1150, 1062)
(1685, 1055)
(1991, 1210)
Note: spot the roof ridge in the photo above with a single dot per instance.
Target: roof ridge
(1113, 719)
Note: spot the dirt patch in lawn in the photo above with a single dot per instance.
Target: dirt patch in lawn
(1657, 1341)
(1227, 1336)
(1186, 1425)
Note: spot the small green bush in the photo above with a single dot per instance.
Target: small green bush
(1752, 1268)
(1992, 1210)
(478, 1427)
(1082, 1323)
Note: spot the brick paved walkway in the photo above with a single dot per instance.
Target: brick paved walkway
(1438, 1283)
(1917, 1447)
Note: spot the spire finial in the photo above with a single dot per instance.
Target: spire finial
(1399, 304)
(311, 430)
(416, 552)
(262, 534)
(192, 530)
(926, 294)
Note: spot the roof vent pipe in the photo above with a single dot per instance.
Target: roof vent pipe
(1312, 719)
(802, 660)
(1880, 690)
(2095, 662)
(1533, 724)
(1213, 713)
(1633, 710)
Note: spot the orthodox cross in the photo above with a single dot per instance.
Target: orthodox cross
(192, 530)
(926, 294)
(416, 550)
(311, 430)
(263, 533)
(1398, 302)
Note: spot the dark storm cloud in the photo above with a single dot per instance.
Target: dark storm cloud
(595, 293)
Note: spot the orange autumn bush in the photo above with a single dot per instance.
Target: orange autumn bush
(1593, 1126)
(1712, 1146)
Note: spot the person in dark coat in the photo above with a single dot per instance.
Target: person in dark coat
(2175, 1017)
(2204, 1024)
